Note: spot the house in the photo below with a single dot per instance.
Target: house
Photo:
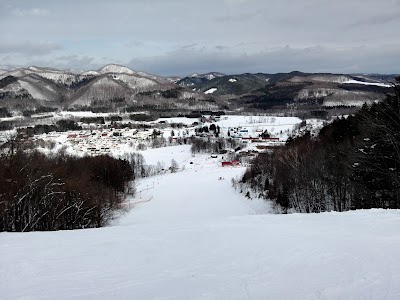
(274, 139)
(235, 163)
(232, 163)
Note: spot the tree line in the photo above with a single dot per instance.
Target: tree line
(214, 145)
(59, 126)
(354, 163)
(38, 192)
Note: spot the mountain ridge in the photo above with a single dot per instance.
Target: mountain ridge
(117, 85)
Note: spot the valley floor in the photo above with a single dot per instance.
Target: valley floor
(190, 235)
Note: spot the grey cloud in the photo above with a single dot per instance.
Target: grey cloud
(235, 2)
(37, 12)
(73, 61)
(232, 31)
(132, 44)
(29, 48)
(239, 17)
(238, 47)
(285, 59)
(189, 46)
(380, 19)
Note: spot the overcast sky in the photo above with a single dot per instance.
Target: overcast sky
(180, 37)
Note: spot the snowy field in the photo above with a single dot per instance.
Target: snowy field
(252, 126)
(367, 83)
(189, 235)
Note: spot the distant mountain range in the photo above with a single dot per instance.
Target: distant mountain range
(119, 86)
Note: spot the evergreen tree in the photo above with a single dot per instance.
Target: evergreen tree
(283, 199)
(377, 168)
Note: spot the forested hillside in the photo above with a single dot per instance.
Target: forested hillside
(353, 163)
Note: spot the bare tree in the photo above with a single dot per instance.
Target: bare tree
(174, 166)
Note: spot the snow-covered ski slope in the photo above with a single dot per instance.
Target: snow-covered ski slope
(189, 235)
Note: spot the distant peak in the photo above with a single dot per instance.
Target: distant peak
(209, 75)
(114, 68)
(91, 73)
(33, 68)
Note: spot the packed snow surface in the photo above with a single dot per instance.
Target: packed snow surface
(189, 235)
(34, 91)
(253, 126)
(210, 91)
(182, 120)
(367, 83)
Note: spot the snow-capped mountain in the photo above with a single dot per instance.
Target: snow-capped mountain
(114, 83)
(196, 78)
(208, 76)
(9, 67)
(64, 87)
(118, 69)
(90, 73)
(271, 90)
(115, 69)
